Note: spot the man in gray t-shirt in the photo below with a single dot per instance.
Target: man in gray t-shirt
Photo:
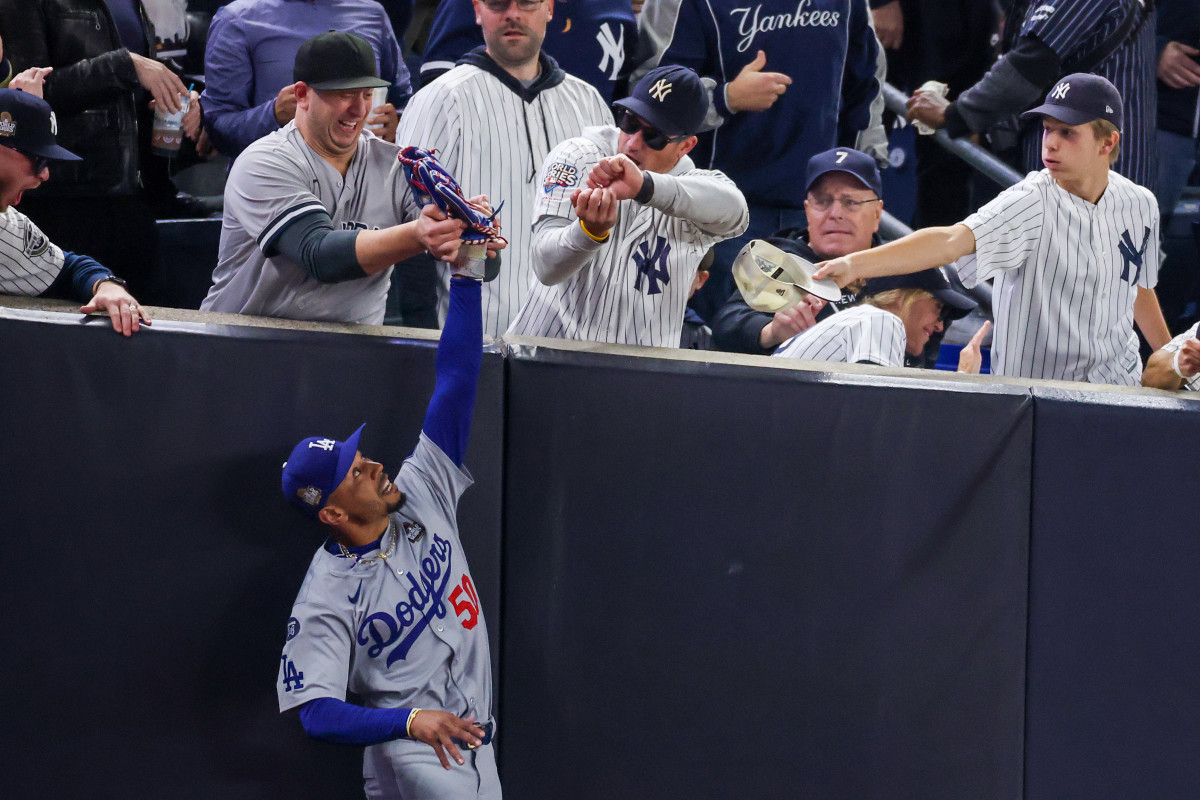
(317, 212)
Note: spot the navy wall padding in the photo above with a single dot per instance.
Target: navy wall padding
(742, 582)
(1114, 655)
(152, 561)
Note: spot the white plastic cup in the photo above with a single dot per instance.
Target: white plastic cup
(166, 135)
(378, 98)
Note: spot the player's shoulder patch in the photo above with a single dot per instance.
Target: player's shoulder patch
(293, 628)
(34, 242)
(561, 174)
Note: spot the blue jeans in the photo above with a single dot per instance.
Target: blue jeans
(1177, 157)
(764, 222)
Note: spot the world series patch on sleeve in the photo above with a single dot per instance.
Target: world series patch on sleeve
(561, 174)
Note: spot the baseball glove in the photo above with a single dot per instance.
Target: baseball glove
(433, 184)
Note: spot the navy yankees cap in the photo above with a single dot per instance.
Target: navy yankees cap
(931, 280)
(671, 99)
(1082, 97)
(337, 60)
(315, 468)
(27, 124)
(844, 159)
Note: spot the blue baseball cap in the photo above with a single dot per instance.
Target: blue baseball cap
(956, 306)
(844, 159)
(28, 125)
(1080, 98)
(671, 99)
(315, 469)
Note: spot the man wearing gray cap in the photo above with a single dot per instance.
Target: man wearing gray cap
(30, 264)
(1073, 249)
(317, 212)
(623, 218)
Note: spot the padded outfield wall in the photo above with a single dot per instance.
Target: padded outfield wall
(724, 577)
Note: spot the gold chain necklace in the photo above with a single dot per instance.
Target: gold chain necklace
(382, 555)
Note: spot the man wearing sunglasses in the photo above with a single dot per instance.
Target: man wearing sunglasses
(623, 218)
(29, 263)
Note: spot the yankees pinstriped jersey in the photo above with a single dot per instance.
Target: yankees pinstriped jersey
(1073, 29)
(276, 181)
(1173, 346)
(29, 262)
(492, 135)
(861, 333)
(633, 288)
(1067, 273)
(405, 632)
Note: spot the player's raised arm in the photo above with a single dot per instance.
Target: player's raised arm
(928, 247)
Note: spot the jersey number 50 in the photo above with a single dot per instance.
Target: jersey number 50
(466, 601)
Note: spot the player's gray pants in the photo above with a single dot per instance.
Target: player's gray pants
(408, 770)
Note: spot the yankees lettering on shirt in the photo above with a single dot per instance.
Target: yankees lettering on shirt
(751, 22)
(1066, 277)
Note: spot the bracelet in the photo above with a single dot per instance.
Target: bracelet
(594, 237)
(408, 726)
(1175, 366)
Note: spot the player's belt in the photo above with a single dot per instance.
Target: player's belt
(488, 727)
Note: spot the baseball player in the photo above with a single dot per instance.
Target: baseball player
(623, 219)
(493, 119)
(30, 264)
(1177, 364)
(317, 212)
(388, 609)
(898, 314)
(1073, 249)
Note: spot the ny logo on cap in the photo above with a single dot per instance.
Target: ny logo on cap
(1060, 91)
(1108, 110)
(53, 124)
(661, 89)
(324, 444)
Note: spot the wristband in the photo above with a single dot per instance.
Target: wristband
(408, 725)
(594, 237)
(647, 191)
(111, 279)
(1175, 366)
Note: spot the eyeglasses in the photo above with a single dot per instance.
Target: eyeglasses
(499, 6)
(823, 202)
(39, 162)
(654, 138)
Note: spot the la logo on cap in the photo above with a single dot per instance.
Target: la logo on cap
(7, 126)
(1060, 91)
(661, 89)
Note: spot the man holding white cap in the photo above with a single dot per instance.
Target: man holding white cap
(1073, 249)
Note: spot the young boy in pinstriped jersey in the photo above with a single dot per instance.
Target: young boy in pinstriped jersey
(1073, 249)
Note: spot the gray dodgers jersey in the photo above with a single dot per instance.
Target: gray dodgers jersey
(860, 333)
(402, 633)
(29, 262)
(1067, 273)
(634, 287)
(277, 180)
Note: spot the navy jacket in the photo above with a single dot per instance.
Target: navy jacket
(1179, 109)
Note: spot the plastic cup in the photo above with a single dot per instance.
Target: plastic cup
(166, 135)
(378, 98)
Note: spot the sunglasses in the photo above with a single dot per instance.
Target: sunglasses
(654, 138)
(39, 162)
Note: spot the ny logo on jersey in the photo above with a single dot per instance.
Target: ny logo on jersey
(652, 266)
(661, 89)
(1060, 92)
(1041, 13)
(1132, 256)
(612, 50)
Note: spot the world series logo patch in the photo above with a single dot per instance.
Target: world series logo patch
(35, 242)
(560, 174)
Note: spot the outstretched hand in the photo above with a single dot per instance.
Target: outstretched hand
(439, 729)
(126, 313)
(970, 358)
(839, 269)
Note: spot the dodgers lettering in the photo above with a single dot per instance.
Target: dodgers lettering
(426, 598)
(754, 23)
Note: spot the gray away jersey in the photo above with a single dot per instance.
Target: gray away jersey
(278, 180)
(29, 262)
(494, 143)
(402, 633)
(632, 289)
(860, 333)
(1067, 273)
